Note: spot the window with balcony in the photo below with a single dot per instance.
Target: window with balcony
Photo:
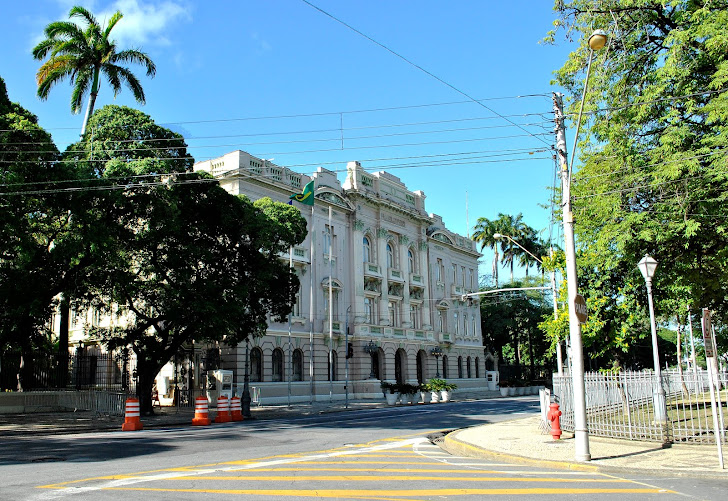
(465, 325)
(462, 276)
(393, 310)
(412, 263)
(391, 257)
(369, 310)
(415, 316)
(439, 271)
(367, 250)
(454, 274)
(457, 323)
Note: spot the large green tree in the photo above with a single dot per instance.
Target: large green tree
(185, 259)
(653, 175)
(82, 54)
(41, 243)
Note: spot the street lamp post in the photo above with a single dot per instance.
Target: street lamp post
(437, 353)
(371, 348)
(647, 266)
(559, 358)
(246, 383)
(597, 40)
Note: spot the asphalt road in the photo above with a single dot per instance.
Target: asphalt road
(382, 454)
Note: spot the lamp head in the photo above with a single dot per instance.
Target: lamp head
(598, 39)
(647, 266)
(498, 236)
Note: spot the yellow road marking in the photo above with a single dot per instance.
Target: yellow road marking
(396, 494)
(379, 478)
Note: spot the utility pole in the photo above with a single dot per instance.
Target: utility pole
(581, 431)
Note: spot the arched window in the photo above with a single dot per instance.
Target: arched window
(466, 326)
(477, 367)
(390, 255)
(367, 250)
(297, 365)
(277, 362)
(400, 366)
(331, 367)
(460, 367)
(457, 323)
(412, 262)
(444, 367)
(256, 364)
(467, 366)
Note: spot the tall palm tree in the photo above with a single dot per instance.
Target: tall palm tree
(82, 55)
(514, 227)
(483, 232)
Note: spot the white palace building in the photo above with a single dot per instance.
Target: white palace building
(395, 276)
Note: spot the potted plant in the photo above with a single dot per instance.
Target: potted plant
(423, 393)
(434, 393)
(504, 388)
(390, 392)
(407, 392)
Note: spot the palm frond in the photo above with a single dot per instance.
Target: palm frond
(133, 83)
(52, 72)
(83, 13)
(136, 57)
(116, 16)
(82, 84)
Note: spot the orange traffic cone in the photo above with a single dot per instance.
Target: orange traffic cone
(131, 416)
(223, 410)
(201, 416)
(236, 409)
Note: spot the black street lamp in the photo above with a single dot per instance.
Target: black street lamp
(437, 353)
(246, 384)
(371, 348)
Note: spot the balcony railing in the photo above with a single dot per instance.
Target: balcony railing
(394, 275)
(372, 270)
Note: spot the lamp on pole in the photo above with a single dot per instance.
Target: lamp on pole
(437, 353)
(647, 266)
(371, 348)
(597, 40)
(559, 358)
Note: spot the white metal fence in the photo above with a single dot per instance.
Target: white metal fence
(99, 402)
(623, 405)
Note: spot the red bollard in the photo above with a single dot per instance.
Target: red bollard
(131, 416)
(201, 412)
(553, 415)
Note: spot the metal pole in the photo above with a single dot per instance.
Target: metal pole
(331, 312)
(290, 351)
(310, 310)
(581, 431)
(661, 403)
(346, 362)
(246, 383)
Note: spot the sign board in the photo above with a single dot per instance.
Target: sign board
(708, 334)
(580, 308)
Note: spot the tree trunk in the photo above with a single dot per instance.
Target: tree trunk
(679, 353)
(145, 382)
(91, 101)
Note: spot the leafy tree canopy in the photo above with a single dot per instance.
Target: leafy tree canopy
(653, 154)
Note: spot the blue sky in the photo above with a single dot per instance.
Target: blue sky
(283, 80)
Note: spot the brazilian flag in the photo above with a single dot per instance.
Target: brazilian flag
(306, 197)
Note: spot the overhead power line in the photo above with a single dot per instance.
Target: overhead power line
(479, 103)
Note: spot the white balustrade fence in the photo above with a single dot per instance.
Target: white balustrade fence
(622, 405)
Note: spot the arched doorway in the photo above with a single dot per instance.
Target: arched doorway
(400, 366)
(421, 361)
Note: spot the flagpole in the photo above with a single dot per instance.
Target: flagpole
(310, 309)
(331, 312)
(290, 353)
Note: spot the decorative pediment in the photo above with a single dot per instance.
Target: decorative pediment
(442, 238)
(333, 198)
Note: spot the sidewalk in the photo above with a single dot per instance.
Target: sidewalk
(521, 441)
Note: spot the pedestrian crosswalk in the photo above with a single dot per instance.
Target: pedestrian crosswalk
(408, 468)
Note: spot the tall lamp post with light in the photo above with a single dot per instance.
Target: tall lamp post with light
(647, 266)
(437, 353)
(559, 359)
(597, 41)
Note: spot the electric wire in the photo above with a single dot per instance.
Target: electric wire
(479, 103)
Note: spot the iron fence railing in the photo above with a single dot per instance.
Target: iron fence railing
(83, 370)
(623, 405)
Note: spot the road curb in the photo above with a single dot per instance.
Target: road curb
(452, 445)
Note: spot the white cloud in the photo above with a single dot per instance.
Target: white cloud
(144, 23)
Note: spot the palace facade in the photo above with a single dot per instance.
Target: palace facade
(381, 295)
